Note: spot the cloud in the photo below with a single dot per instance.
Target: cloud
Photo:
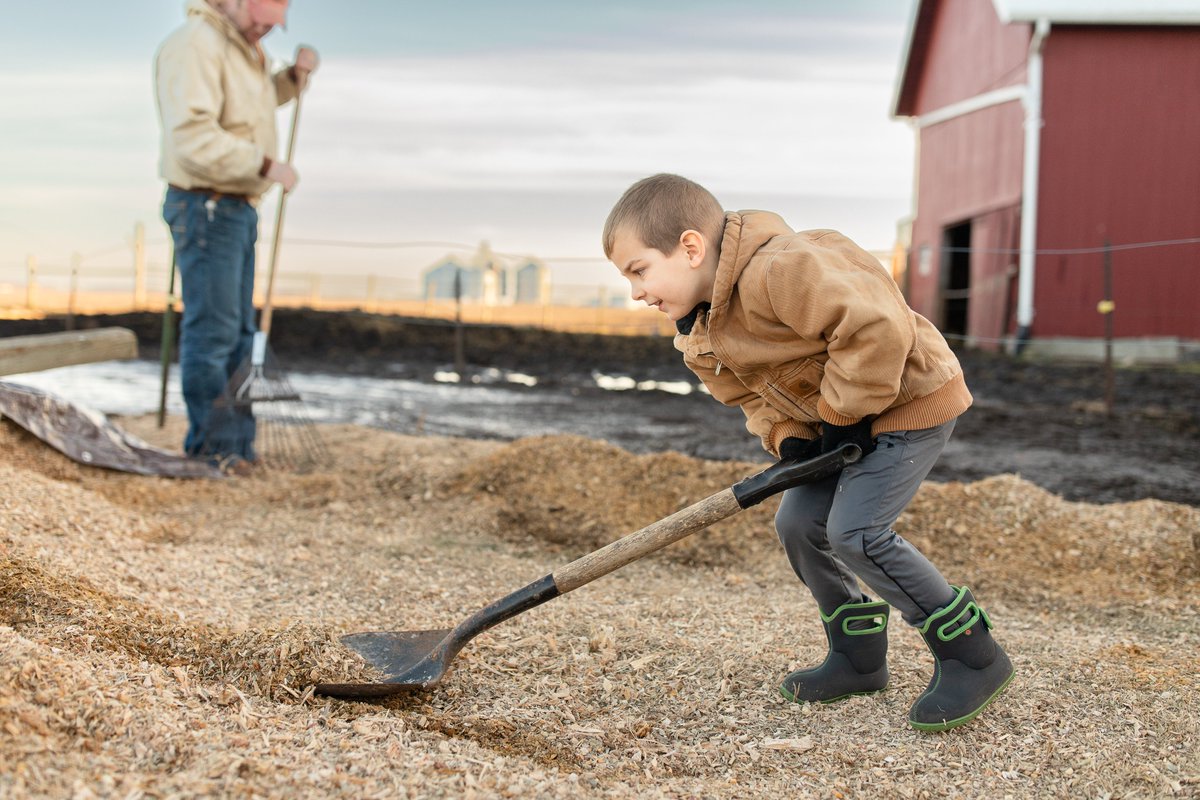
(430, 145)
(553, 120)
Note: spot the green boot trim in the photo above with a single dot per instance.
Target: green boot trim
(970, 668)
(964, 618)
(877, 612)
(954, 723)
(791, 698)
(856, 662)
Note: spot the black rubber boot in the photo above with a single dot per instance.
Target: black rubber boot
(857, 658)
(970, 669)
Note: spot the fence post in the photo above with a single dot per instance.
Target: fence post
(314, 289)
(460, 358)
(31, 265)
(73, 290)
(139, 266)
(372, 291)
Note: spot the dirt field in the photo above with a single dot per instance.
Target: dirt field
(1040, 420)
(160, 638)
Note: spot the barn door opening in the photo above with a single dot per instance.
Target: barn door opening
(956, 279)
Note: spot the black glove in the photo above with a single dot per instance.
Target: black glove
(796, 449)
(859, 433)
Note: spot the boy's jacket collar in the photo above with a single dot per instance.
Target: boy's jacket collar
(685, 324)
(745, 233)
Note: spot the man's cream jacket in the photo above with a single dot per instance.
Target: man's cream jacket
(216, 101)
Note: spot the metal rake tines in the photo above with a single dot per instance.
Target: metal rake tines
(287, 436)
(261, 382)
(262, 389)
(270, 409)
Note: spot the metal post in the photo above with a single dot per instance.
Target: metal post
(1029, 186)
(460, 358)
(1106, 308)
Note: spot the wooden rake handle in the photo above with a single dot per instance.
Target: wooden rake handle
(264, 323)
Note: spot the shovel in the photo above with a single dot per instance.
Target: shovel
(415, 660)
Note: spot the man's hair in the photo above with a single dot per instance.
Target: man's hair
(660, 208)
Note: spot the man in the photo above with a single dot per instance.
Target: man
(216, 102)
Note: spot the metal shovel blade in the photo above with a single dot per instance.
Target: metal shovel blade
(415, 660)
(410, 660)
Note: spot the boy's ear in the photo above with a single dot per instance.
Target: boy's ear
(693, 243)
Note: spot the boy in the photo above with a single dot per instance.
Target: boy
(813, 340)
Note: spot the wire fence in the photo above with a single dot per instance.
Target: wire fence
(101, 282)
(97, 282)
(1135, 300)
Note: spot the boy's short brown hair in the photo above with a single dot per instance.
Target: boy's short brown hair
(660, 208)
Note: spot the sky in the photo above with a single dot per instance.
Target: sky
(460, 121)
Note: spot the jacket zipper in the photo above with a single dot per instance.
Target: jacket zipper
(707, 313)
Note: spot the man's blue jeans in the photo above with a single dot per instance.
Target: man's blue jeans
(214, 250)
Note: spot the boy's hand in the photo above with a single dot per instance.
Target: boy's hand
(859, 433)
(794, 448)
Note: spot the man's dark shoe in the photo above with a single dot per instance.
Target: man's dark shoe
(857, 659)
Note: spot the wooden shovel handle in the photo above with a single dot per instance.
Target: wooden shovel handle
(750, 491)
(653, 537)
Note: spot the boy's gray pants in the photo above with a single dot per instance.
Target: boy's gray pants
(841, 527)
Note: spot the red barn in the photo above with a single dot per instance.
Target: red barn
(1058, 166)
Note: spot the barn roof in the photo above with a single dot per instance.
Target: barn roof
(1101, 12)
(1066, 12)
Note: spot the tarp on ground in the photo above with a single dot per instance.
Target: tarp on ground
(89, 437)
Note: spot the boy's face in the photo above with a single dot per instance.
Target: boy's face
(673, 283)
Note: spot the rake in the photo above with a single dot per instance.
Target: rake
(259, 393)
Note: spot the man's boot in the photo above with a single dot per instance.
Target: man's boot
(970, 669)
(857, 658)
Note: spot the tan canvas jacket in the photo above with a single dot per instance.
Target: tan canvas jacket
(807, 327)
(216, 101)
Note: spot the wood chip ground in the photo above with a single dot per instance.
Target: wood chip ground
(160, 638)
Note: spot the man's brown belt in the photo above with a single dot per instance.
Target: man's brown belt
(212, 194)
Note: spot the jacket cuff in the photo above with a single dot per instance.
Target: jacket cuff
(827, 414)
(266, 166)
(784, 429)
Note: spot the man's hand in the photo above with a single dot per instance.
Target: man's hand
(283, 174)
(305, 65)
(794, 448)
(859, 433)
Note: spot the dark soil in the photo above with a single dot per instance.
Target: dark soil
(1043, 420)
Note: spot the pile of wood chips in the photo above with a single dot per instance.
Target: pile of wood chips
(162, 638)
